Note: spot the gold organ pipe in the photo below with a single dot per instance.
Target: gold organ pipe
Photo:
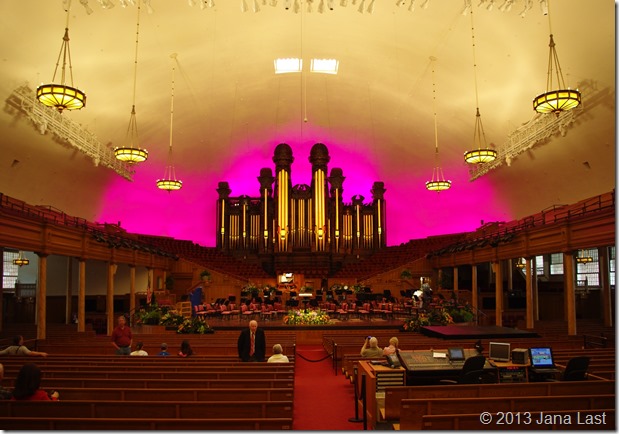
(244, 220)
(266, 207)
(358, 227)
(223, 216)
(337, 213)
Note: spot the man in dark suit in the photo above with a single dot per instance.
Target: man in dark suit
(252, 343)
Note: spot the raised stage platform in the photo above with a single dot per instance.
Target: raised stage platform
(476, 332)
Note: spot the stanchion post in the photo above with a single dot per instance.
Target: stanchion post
(356, 384)
(335, 357)
(364, 402)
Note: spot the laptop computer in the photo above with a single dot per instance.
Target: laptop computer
(542, 361)
(456, 354)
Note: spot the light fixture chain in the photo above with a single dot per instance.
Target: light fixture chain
(171, 113)
(135, 63)
(474, 59)
(434, 107)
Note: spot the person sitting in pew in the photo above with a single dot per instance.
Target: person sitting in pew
(278, 356)
(186, 349)
(28, 385)
(19, 349)
(138, 350)
(164, 350)
(372, 350)
(392, 348)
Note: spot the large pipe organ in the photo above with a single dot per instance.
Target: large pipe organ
(287, 218)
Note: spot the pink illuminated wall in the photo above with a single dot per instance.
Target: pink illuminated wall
(412, 211)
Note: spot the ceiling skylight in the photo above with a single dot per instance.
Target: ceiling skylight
(325, 66)
(283, 66)
(293, 64)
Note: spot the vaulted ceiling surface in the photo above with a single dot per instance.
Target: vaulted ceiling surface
(376, 115)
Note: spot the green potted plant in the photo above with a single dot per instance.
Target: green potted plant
(205, 275)
(406, 274)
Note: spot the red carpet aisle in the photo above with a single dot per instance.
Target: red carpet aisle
(322, 400)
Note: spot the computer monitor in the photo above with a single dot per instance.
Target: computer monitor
(455, 354)
(541, 357)
(499, 351)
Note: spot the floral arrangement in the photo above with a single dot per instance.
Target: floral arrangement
(414, 324)
(358, 288)
(250, 288)
(443, 312)
(196, 324)
(306, 317)
(169, 318)
(149, 315)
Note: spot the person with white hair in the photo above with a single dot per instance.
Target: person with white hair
(278, 356)
(372, 350)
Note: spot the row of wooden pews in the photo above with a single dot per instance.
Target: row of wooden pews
(220, 343)
(116, 392)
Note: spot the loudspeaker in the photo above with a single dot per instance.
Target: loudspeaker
(520, 356)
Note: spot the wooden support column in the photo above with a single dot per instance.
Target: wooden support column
(109, 308)
(498, 293)
(132, 290)
(474, 291)
(606, 301)
(528, 270)
(81, 297)
(535, 289)
(456, 280)
(69, 298)
(41, 298)
(510, 275)
(569, 292)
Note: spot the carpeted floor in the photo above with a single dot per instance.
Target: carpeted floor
(322, 400)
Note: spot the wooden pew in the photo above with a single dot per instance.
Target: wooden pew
(211, 394)
(394, 395)
(147, 409)
(109, 424)
(129, 383)
(412, 410)
(172, 375)
(603, 419)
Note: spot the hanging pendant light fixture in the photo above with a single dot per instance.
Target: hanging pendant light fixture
(522, 263)
(557, 100)
(61, 96)
(583, 258)
(438, 182)
(169, 181)
(132, 153)
(485, 154)
(20, 260)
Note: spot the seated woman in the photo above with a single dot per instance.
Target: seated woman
(186, 349)
(138, 350)
(278, 356)
(393, 346)
(27, 385)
